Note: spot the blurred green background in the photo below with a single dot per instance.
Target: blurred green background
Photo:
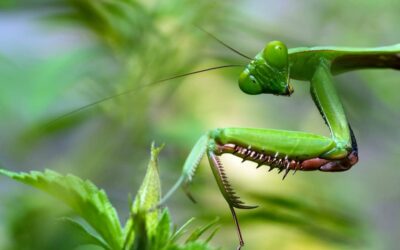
(58, 55)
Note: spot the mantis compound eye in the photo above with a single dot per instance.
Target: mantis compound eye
(276, 54)
(249, 84)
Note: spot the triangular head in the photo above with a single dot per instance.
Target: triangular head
(268, 72)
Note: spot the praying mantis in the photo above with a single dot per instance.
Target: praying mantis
(270, 72)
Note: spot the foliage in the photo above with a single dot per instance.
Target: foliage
(148, 227)
(58, 55)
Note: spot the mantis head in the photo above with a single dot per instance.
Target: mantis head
(268, 72)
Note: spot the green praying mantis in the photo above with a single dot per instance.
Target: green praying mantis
(270, 72)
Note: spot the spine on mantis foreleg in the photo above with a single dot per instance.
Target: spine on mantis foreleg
(189, 168)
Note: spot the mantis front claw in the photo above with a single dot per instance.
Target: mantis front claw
(223, 183)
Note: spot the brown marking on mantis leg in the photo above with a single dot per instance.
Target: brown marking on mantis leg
(312, 164)
(326, 165)
(341, 165)
(287, 164)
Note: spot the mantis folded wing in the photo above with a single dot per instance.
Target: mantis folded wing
(270, 72)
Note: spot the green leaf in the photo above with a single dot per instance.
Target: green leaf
(162, 236)
(212, 234)
(82, 196)
(198, 232)
(148, 197)
(146, 229)
(86, 231)
(141, 240)
(182, 230)
(195, 246)
(149, 193)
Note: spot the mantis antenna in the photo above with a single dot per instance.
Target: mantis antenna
(224, 44)
(130, 91)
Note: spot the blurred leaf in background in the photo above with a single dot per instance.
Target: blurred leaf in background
(59, 55)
